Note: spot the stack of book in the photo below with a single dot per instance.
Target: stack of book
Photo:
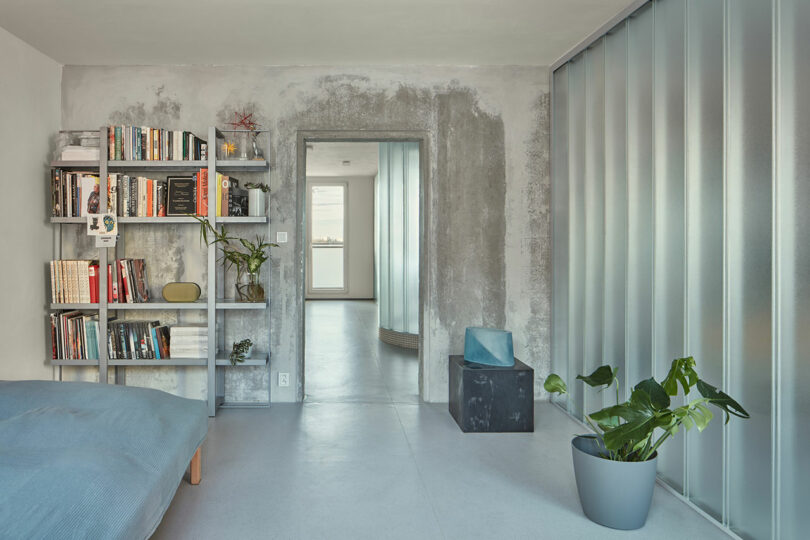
(127, 282)
(74, 193)
(74, 336)
(131, 196)
(188, 195)
(137, 340)
(74, 282)
(189, 341)
(83, 146)
(140, 143)
(77, 282)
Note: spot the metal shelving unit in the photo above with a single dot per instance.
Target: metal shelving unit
(212, 304)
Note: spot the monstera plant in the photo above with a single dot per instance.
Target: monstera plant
(632, 433)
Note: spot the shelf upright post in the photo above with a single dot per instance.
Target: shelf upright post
(212, 274)
(102, 259)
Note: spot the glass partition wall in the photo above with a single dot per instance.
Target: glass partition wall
(680, 195)
(397, 254)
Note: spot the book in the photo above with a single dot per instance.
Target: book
(89, 193)
(181, 196)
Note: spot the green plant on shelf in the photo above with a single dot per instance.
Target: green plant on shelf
(258, 185)
(244, 255)
(240, 351)
(627, 430)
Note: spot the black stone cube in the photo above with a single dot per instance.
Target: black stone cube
(491, 399)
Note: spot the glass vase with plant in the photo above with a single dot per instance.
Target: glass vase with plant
(244, 255)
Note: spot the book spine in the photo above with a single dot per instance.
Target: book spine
(161, 199)
(110, 297)
(53, 284)
(84, 281)
(92, 272)
(204, 187)
(122, 269)
(149, 198)
(117, 143)
(198, 198)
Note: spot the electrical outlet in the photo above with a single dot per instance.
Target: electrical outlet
(281, 237)
(284, 379)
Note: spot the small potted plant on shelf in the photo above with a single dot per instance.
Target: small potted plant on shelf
(615, 467)
(256, 195)
(246, 256)
(241, 351)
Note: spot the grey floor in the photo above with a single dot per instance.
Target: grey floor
(363, 459)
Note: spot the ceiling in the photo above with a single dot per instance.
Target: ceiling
(326, 159)
(306, 32)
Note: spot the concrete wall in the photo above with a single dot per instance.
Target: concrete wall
(359, 236)
(487, 197)
(29, 121)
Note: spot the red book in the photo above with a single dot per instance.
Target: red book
(202, 192)
(149, 212)
(122, 297)
(110, 296)
(92, 272)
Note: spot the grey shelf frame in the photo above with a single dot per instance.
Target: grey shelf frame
(167, 220)
(212, 304)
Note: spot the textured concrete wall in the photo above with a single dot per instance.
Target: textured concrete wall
(29, 121)
(487, 199)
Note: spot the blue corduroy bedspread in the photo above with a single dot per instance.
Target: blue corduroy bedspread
(86, 460)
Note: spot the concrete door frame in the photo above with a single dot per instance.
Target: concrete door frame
(315, 136)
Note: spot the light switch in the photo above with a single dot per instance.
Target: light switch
(281, 238)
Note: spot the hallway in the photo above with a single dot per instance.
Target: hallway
(346, 362)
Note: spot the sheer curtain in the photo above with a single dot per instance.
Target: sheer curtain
(397, 236)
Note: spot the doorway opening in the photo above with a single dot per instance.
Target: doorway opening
(362, 253)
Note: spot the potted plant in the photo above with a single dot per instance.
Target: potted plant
(615, 467)
(241, 351)
(256, 195)
(246, 256)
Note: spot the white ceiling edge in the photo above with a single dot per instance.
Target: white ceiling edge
(306, 33)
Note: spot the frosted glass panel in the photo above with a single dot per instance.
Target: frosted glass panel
(679, 194)
(576, 231)
(639, 196)
(594, 217)
(327, 267)
(748, 252)
(398, 236)
(669, 267)
(794, 267)
(559, 260)
(704, 229)
(615, 198)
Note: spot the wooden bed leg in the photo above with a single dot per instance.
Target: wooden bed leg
(196, 467)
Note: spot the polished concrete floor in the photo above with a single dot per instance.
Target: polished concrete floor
(345, 362)
(373, 463)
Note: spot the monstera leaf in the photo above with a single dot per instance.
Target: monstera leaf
(555, 385)
(681, 371)
(603, 376)
(722, 400)
(658, 396)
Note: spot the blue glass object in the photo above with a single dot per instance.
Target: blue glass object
(489, 346)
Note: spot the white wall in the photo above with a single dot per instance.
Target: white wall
(359, 236)
(30, 98)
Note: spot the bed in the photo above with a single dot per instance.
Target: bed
(87, 460)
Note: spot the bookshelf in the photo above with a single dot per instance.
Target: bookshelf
(214, 304)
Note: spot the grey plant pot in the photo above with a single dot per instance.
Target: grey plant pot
(612, 493)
